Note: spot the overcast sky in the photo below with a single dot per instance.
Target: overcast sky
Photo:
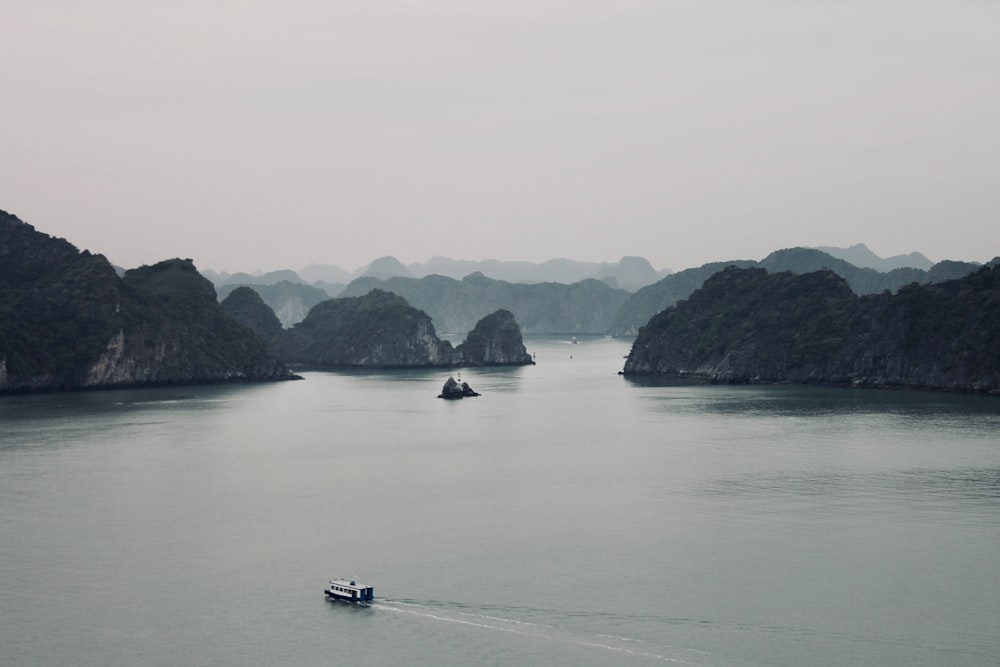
(258, 134)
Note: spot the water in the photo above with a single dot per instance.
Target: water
(568, 516)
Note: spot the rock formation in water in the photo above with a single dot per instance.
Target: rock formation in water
(382, 330)
(495, 341)
(68, 321)
(748, 325)
(378, 330)
(453, 390)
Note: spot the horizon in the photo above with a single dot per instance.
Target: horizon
(267, 135)
(359, 268)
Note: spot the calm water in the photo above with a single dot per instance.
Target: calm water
(568, 516)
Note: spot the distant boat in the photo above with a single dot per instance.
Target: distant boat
(349, 591)
(574, 340)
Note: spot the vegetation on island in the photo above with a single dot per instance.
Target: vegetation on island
(381, 329)
(68, 321)
(749, 325)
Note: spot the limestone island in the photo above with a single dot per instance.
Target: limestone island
(68, 321)
(454, 390)
(752, 326)
(382, 330)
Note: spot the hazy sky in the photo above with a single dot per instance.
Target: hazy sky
(258, 134)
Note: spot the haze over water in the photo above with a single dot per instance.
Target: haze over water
(568, 516)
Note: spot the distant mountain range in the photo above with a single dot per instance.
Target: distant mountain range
(593, 305)
(630, 273)
(588, 306)
(860, 256)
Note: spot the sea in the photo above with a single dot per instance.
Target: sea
(567, 516)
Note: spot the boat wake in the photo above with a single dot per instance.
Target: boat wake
(456, 613)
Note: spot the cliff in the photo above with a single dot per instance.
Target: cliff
(748, 325)
(67, 321)
(382, 330)
(495, 341)
(377, 330)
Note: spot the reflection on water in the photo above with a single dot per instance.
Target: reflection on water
(809, 400)
(958, 486)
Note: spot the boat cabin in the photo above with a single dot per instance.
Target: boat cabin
(349, 590)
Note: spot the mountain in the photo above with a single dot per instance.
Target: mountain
(859, 255)
(630, 273)
(494, 341)
(326, 273)
(749, 325)
(386, 267)
(289, 301)
(269, 278)
(456, 305)
(653, 298)
(381, 330)
(68, 321)
(331, 289)
(247, 307)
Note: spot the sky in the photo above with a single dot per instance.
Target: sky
(259, 135)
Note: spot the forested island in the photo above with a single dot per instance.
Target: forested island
(68, 321)
(748, 325)
(382, 330)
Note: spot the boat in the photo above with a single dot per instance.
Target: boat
(349, 591)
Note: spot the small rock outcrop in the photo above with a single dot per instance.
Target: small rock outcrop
(453, 390)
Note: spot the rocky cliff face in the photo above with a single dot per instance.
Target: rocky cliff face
(382, 330)
(378, 330)
(495, 341)
(747, 325)
(67, 321)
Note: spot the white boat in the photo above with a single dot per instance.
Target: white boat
(349, 591)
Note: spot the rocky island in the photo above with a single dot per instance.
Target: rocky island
(381, 330)
(68, 321)
(454, 390)
(748, 325)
